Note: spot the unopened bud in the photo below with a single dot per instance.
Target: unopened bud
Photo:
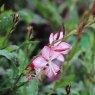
(93, 10)
(29, 30)
(16, 18)
(68, 89)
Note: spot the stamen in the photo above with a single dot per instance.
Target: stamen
(50, 64)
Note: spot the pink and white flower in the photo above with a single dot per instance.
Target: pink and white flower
(61, 47)
(50, 55)
(45, 61)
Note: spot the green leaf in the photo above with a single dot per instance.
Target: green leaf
(32, 45)
(49, 11)
(3, 42)
(65, 81)
(28, 17)
(23, 60)
(11, 57)
(25, 15)
(6, 21)
(8, 55)
(31, 88)
(84, 42)
(12, 48)
(73, 18)
(2, 8)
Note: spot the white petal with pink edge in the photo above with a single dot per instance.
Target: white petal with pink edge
(46, 52)
(60, 58)
(53, 54)
(51, 70)
(61, 35)
(55, 36)
(51, 38)
(63, 47)
(39, 62)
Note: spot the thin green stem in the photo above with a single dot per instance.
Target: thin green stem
(51, 91)
(17, 87)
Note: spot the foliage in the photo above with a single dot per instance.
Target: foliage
(18, 46)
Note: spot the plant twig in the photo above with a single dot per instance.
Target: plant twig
(77, 31)
(68, 89)
(17, 87)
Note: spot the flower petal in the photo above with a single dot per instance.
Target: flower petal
(49, 53)
(50, 71)
(53, 78)
(46, 52)
(67, 47)
(60, 58)
(61, 35)
(39, 62)
(51, 38)
(55, 36)
(53, 54)
(63, 48)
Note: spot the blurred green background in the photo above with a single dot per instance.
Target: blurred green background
(17, 50)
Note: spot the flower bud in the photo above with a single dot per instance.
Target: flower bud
(15, 17)
(29, 30)
(93, 10)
